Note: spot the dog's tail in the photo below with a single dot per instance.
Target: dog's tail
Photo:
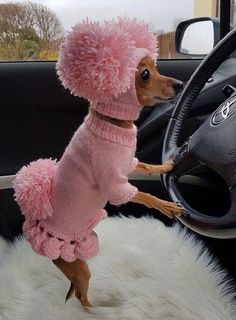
(32, 187)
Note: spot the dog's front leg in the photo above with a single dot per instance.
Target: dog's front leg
(170, 209)
(149, 168)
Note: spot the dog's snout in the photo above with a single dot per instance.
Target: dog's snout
(178, 86)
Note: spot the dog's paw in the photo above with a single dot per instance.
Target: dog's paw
(167, 166)
(170, 209)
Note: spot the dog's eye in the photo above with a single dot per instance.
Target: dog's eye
(145, 75)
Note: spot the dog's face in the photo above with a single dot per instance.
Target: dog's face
(151, 87)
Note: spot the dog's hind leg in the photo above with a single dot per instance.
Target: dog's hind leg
(79, 274)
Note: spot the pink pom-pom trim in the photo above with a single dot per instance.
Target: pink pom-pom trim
(96, 60)
(32, 187)
(141, 34)
(46, 244)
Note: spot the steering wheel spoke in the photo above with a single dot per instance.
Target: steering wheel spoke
(184, 161)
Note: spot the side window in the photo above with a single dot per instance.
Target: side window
(29, 31)
(35, 30)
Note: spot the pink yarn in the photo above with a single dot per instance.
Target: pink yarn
(33, 188)
(51, 248)
(46, 244)
(92, 170)
(141, 34)
(96, 60)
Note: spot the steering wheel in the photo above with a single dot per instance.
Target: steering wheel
(213, 145)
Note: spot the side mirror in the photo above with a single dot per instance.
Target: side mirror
(197, 37)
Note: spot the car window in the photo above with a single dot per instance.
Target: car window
(35, 30)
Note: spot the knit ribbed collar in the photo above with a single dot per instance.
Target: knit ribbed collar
(111, 132)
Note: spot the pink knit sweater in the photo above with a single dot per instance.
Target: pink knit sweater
(92, 171)
(62, 202)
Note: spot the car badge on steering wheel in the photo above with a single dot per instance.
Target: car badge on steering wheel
(225, 111)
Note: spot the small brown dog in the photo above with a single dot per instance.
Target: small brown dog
(112, 65)
(151, 88)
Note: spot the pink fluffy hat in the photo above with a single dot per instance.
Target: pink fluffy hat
(98, 62)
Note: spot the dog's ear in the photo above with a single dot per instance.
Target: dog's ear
(70, 292)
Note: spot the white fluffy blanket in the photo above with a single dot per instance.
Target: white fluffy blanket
(144, 271)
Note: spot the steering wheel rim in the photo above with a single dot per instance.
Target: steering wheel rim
(187, 156)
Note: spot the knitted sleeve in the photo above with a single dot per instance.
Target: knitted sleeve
(110, 169)
(134, 164)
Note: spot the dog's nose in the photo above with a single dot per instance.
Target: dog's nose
(178, 86)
